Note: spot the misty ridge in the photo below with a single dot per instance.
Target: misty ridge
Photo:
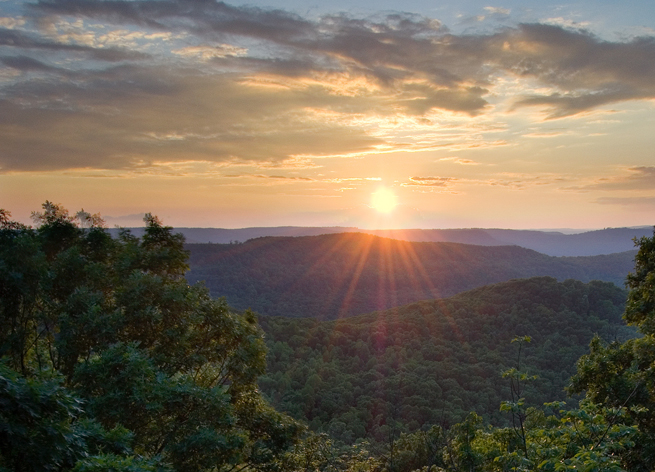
(552, 243)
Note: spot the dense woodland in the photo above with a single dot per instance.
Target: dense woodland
(337, 275)
(111, 361)
(433, 361)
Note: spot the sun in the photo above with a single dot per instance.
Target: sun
(383, 200)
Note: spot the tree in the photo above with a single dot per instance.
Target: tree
(516, 407)
(461, 453)
(142, 349)
(319, 453)
(44, 428)
(414, 451)
(581, 439)
(591, 438)
(620, 375)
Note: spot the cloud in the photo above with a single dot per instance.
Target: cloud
(132, 117)
(632, 178)
(521, 181)
(339, 180)
(17, 39)
(202, 18)
(269, 177)
(210, 52)
(644, 172)
(11, 23)
(497, 11)
(432, 182)
(510, 180)
(389, 50)
(587, 71)
(25, 63)
(459, 160)
(627, 201)
(242, 85)
(546, 134)
(560, 21)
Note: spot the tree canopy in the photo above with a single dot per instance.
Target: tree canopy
(620, 374)
(115, 362)
(434, 361)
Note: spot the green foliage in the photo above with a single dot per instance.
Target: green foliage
(145, 352)
(36, 424)
(115, 463)
(319, 453)
(516, 406)
(461, 451)
(43, 427)
(640, 309)
(620, 374)
(581, 439)
(413, 451)
(590, 438)
(403, 370)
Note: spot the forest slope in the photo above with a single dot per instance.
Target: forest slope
(338, 275)
(435, 360)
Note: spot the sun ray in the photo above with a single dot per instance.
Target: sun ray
(412, 259)
(324, 254)
(380, 263)
(356, 275)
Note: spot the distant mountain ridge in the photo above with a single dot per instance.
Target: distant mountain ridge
(589, 243)
(340, 275)
(552, 243)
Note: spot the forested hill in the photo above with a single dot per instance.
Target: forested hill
(553, 243)
(337, 275)
(435, 360)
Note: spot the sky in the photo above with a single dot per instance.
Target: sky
(413, 114)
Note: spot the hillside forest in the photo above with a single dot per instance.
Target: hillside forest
(338, 275)
(112, 361)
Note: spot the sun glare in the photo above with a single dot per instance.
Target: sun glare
(383, 200)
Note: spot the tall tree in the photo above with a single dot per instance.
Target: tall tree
(116, 319)
(621, 375)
